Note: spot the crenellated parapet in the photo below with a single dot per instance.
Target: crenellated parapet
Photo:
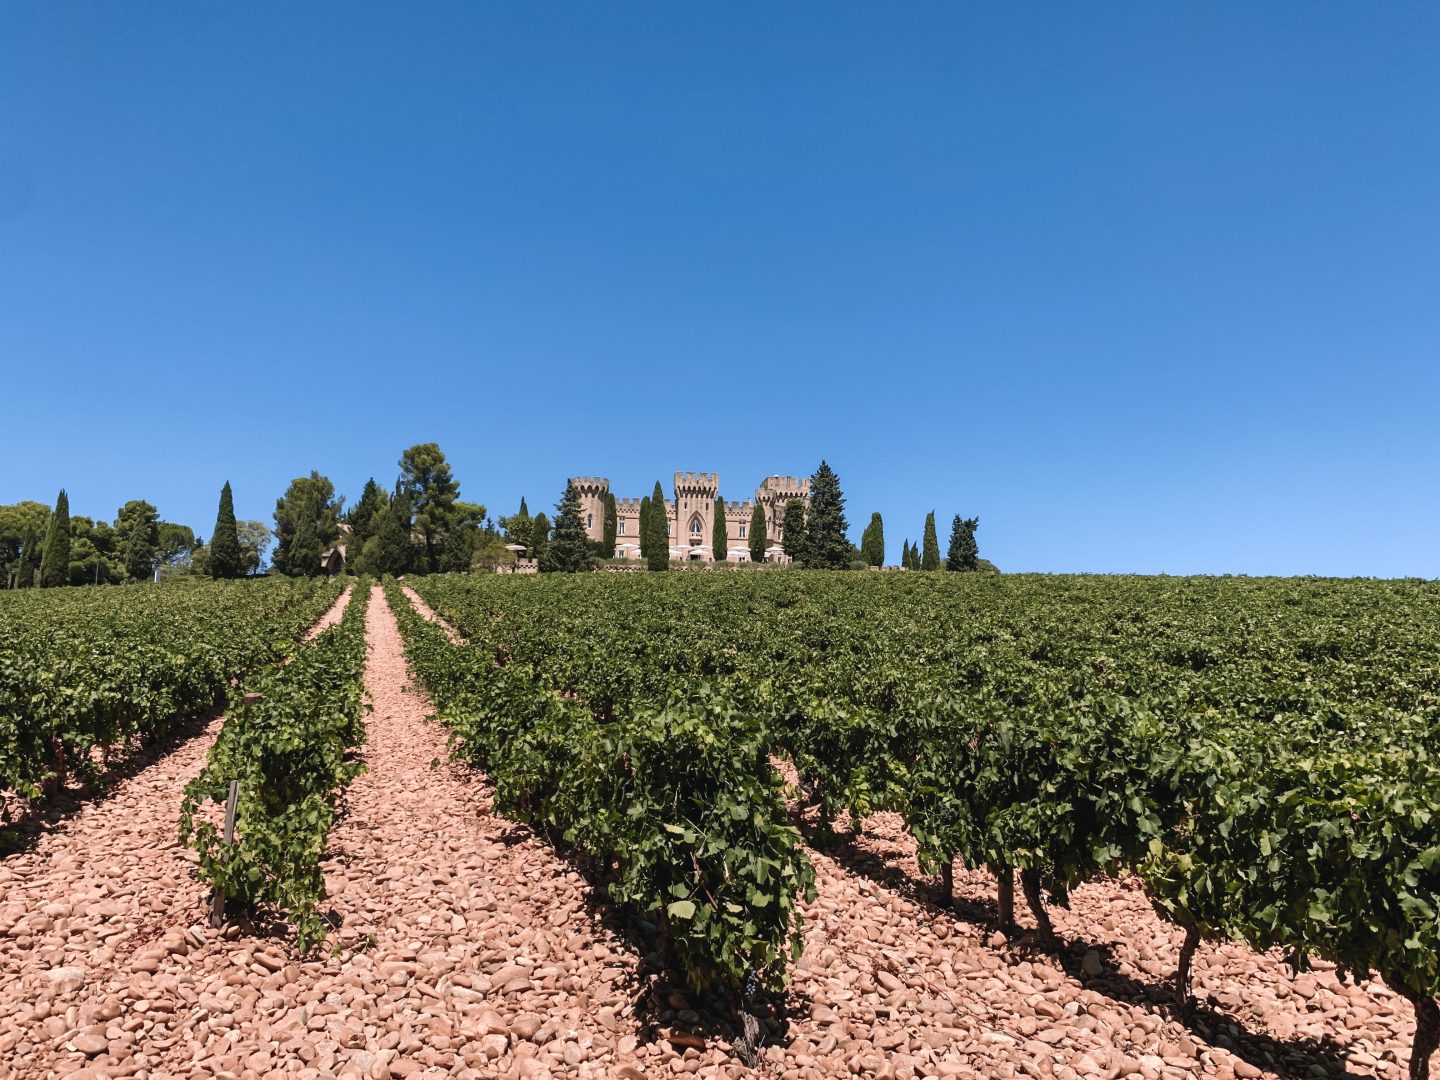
(594, 486)
(696, 485)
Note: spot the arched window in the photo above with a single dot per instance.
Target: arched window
(695, 526)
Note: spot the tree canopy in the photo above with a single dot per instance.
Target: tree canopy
(55, 560)
(757, 537)
(872, 541)
(792, 529)
(826, 545)
(426, 477)
(321, 511)
(569, 549)
(226, 559)
(930, 553)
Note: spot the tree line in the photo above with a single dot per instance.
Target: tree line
(44, 547)
(422, 526)
(814, 538)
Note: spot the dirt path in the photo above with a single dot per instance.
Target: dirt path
(465, 948)
(83, 909)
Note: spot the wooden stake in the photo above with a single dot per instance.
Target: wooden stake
(217, 901)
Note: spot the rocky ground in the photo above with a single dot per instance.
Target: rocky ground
(468, 947)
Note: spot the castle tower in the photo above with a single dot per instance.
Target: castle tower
(773, 493)
(592, 491)
(694, 514)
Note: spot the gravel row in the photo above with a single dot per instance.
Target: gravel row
(465, 946)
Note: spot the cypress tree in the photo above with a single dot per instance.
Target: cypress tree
(757, 538)
(930, 556)
(964, 554)
(872, 542)
(719, 535)
(645, 526)
(658, 557)
(569, 549)
(362, 517)
(826, 545)
(792, 529)
(226, 560)
(55, 560)
(27, 569)
(914, 563)
(905, 554)
(612, 518)
(539, 536)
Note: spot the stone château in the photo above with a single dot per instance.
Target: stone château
(691, 515)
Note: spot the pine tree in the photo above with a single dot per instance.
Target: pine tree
(872, 542)
(826, 545)
(930, 556)
(792, 529)
(964, 555)
(226, 559)
(758, 539)
(658, 555)
(612, 518)
(539, 536)
(569, 549)
(719, 535)
(55, 559)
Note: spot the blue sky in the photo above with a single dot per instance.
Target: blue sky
(1145, 287)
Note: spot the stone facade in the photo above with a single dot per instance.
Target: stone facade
(691, 514)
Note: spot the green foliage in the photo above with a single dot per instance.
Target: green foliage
(364, 516)
(88, 669)
(657, 555)
(611, 523)
(461, 536)
(137, 539)
(930, 556)
(391, 550)
(426, 478)
(826, 546)
(758, 539)
(18, 520)
(569, 550)
(872, 542)
(645, 526)
(677, 798)
(287, 751)
(719, 536)
(539, 536)
(1261, 753)
(255, 537)
(964, 554)
(27, 563)
(303, 556)
(55, 560)
(518, 528)
(792, 529)
(226, 559)
(309, 502)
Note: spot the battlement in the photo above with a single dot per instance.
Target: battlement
(633, 506)
(739, 511)
(590, 485)
(697, 483)
(790, 486)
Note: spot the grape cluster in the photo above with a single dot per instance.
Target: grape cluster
(752, 983)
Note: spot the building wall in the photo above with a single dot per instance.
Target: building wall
(693, 506)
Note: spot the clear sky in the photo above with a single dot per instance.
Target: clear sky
(1146, 287)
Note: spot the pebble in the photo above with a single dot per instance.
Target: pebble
(471, 947)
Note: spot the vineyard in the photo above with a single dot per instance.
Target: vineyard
(794, 822)
(1259, 754)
